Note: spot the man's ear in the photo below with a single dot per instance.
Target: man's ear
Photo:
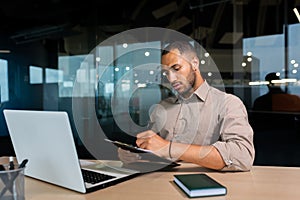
(195, 63)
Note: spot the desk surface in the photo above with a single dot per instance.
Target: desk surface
(261, 182)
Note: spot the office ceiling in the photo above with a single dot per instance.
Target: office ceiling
(205, 20)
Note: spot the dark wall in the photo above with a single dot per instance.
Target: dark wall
(276, 138)
(22, 94)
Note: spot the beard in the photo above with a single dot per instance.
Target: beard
(188, 84)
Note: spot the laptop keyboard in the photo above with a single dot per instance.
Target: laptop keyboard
(95, 177)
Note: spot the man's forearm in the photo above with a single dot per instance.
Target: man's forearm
(205, 156)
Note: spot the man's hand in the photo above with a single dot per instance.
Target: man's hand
(151, 141)
(128, 157)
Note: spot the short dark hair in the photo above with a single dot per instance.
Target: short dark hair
(271, 76)
(182, 46)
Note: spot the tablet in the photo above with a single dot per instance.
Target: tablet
(129, 147)
(145, 154)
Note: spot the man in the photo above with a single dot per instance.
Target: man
(264, 102)
(276, 99)
(202, 125)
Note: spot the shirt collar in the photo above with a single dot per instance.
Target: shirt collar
(202, 91)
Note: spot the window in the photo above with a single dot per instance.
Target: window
(3, 81)
(35, 75)
(54, 75)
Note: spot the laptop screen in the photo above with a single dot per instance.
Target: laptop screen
(45, 138)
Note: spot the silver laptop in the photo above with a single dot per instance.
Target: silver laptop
(45, 138)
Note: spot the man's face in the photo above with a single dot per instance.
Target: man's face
(179, 72)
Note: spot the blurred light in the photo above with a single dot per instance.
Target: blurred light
(98, 59)
(285, 80)
(278, 74)
(68, 84)
(206, 55)
(202, 62)
(147, 53)
(249, 59)
(293, 61)
(244, 64)
(4, 51)
(294, 71)
(151, 72)
(125, 45)
(209, 74)
(136, 81)
(277, 81)
(141, 84)
(296, 65)
(127, 68)
(117, 69)
(249, 53)
(258, 82)
(297, 13)
(290, 80)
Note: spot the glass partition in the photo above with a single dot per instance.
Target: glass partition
(54, 57)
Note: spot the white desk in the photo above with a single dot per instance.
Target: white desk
(260, 183)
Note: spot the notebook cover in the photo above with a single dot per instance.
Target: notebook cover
(197, 185)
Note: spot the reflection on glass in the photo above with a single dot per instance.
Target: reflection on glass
(3, 81)
(35, 75)
(270, 54)
(54, 76)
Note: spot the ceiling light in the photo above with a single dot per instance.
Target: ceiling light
(4, 51)
(165, 10)
(201, 32)
(231, 37)
(258, 83)
(179, 23)
(297, 14)
(39, 34)
(289, 80)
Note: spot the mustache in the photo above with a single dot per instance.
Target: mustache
(176, 83)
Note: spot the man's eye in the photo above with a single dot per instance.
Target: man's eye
(177, 67)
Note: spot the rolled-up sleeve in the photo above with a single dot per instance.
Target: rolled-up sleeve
(236, 136)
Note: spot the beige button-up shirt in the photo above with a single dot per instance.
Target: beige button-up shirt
(209, 117)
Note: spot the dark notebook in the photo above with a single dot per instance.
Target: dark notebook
(199, 185)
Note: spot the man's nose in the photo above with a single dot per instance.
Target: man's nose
(172, 76)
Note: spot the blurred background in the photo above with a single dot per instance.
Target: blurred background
(44, 46)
